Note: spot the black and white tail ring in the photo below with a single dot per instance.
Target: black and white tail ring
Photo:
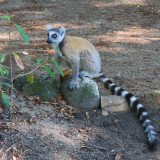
(137, 107)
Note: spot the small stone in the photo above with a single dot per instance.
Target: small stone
(113, 104)
(64, 103)
(115, 121)
(105, 113)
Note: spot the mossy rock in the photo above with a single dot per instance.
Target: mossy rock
(20, 82)
(45, 89)
(85, 95)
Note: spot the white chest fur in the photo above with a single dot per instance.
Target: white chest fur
(59, 57)
(57, 50)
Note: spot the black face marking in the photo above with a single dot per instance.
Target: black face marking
(49, 41)
(62, 33)
(54, 36)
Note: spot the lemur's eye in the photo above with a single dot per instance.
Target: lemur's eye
(54, 36)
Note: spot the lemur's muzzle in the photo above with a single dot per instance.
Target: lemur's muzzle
(49, 41)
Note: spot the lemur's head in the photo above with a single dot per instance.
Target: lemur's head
(55, 35)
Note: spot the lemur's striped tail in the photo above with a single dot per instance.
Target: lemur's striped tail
(137, 107)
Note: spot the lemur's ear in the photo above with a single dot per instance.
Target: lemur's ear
(62, 31)
(48, 27)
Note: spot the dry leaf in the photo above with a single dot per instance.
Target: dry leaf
(84, 147)
(18, 61)
(67, 72)
(25, 53)
(118, 156)
(14, 158)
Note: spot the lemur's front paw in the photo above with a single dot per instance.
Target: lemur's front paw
(72, 85)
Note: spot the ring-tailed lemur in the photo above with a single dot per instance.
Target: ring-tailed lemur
(83, 56)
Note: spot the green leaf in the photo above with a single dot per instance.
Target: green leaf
(6, 17)
(30, 78)
(1, 70)
(9, 86)
(54, 62)
(5, 100)
(6, 42)
(39, 61)
(2, 58)
(22, 33)
(49, 71)
(14, 45)
(6, 72)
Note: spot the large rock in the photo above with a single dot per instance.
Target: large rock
(113, 103)
(20, 82)
(45, 89)
(84, 96)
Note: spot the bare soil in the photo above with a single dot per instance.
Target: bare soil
(127, 35)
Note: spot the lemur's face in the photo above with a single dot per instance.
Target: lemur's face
(55, 35)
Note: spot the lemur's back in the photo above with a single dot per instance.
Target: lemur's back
(77, 44)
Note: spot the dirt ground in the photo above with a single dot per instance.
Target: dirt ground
(127, 35)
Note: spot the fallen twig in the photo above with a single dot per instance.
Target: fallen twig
(96, 147)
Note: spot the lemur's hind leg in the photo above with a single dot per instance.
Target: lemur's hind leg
(83, 74)
(90, 64)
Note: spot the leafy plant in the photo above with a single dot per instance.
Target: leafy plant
(22, 33)
(5, 99)
(39, 61)
(19, 28)
(54, 62)
(3, 71)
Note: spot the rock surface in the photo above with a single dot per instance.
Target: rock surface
(45, 89)
(153, 99)
(84, 96)
(113, 103)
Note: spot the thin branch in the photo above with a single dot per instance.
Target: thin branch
(30, 71)
(11, 70)
(5, 78)
(96, 147)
